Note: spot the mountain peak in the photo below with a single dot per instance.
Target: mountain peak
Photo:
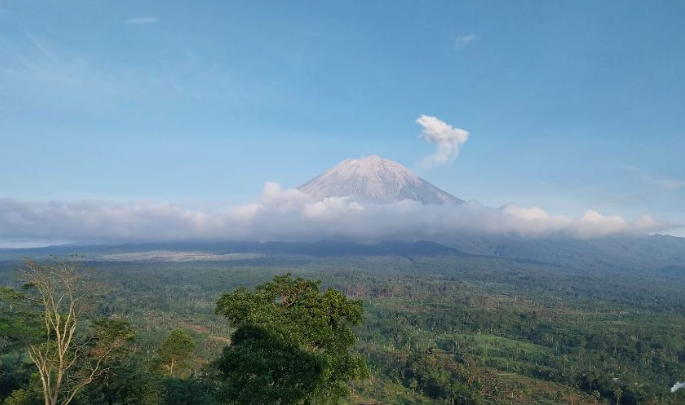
(375, 179)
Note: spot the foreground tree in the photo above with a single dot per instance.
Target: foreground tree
(176, 349)
(293, 344)
(70, 354)
(125, 380)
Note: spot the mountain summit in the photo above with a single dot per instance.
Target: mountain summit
(375, 179)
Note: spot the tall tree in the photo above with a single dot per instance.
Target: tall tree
(175, 349)
(292, 344)
(70, 354)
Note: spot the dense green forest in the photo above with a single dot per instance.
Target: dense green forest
(436, 328)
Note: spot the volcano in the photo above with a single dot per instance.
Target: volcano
(377, 180)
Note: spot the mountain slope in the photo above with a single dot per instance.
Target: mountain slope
(655, 255)
(377, 180)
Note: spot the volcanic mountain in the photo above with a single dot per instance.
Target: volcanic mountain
(378, 180)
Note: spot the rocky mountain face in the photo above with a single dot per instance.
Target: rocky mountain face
(377, 180)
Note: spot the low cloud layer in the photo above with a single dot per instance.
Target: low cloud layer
(290, 215)
(446, 137)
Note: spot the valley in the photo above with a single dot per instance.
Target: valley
(439, 328)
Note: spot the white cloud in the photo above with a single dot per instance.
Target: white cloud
(678, 386)
(524, 213)
(445, 136)
(664, 183)
(669, 184)
(290, 215)
(140, 21)
(464, 40)
(37, 43)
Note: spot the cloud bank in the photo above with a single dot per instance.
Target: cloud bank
(290, 215)
(445, 136)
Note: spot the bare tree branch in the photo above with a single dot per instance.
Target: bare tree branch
(66, 360)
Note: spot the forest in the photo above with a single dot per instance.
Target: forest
(421, 328)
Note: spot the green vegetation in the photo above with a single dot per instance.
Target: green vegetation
(67, 356)
(438, 328)
(175, 350)
(292, 343)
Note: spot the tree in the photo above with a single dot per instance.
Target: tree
(176, 348)
(18, 328)
(187, 391)
(19, 322)
(70, 354)
(125, 380)
(292, 343)
(618, 392)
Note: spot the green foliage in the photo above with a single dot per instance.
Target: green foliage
(188, 391)
(553, 335)
(292, 343)
(107, 333)
(19, 321)
(259, 368)
(125, 381)
(31, 394)
(439, 380)
(21, 397)
(175, 350)
(20, 326)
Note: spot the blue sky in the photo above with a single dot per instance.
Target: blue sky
(570, 106)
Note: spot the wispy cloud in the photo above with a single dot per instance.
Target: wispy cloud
(463, 41)
(140, 21)
(57, 78)
(290, 215)
(664, 183)
(669, 184)
(448, 139)
(38, 44)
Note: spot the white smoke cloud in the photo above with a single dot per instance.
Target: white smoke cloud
(463, 40)
(445, 136)
(678, 386)
(290, 215)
